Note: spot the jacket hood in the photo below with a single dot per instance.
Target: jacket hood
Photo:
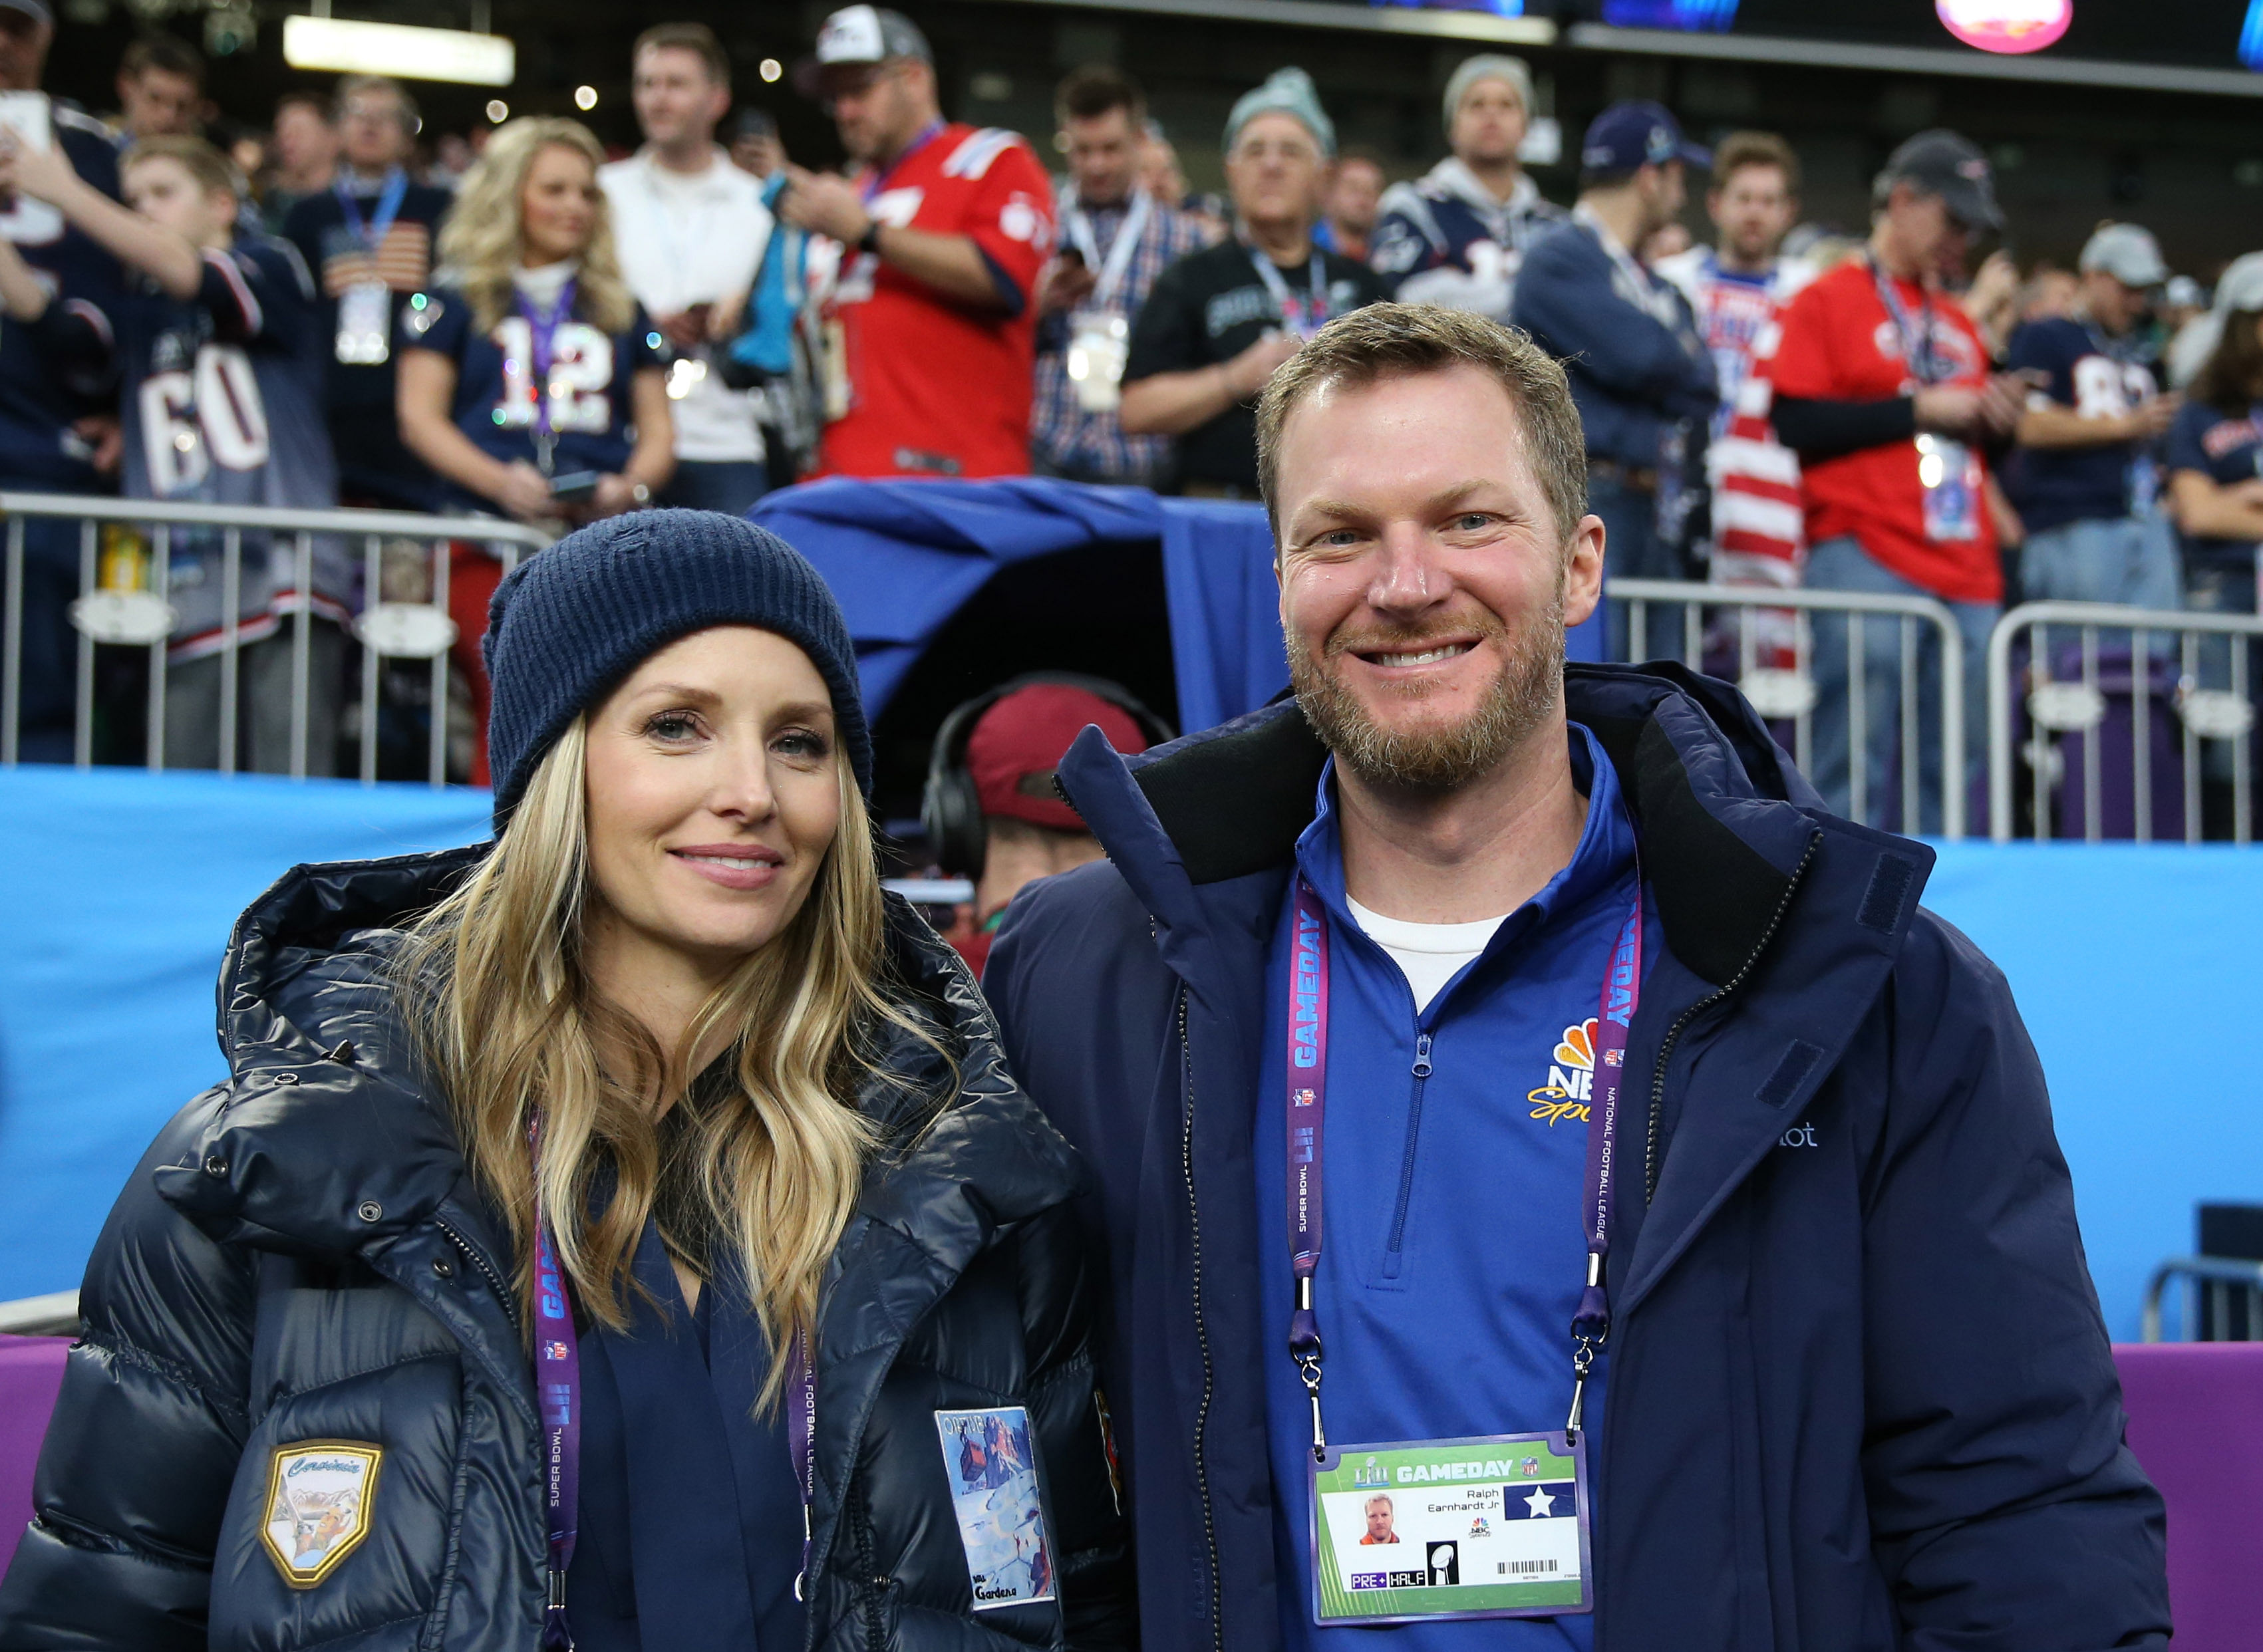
(329, 1135)
(1722, 818)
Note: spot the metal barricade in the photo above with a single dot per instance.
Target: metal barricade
(126, 600)
(2214, 722)
(2218, 1278)
(1789, 694)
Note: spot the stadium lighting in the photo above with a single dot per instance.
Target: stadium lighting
(498, 110)
(585, 99)
(1688, 15)
(772, 68)
(2005, 25)
(2250, 36)
(392, 49)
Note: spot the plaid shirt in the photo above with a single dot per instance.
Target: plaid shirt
(1062, 434)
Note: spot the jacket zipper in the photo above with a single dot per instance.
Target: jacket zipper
(479, 1260)
(1394, 1253)
(1674, 1033)
(1202, 1331)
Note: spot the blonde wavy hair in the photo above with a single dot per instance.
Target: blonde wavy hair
(514, 1030)
(482, 241)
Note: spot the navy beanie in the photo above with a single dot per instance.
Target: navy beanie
(567, 624)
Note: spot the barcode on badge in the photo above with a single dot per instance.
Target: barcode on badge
(1524, 1568)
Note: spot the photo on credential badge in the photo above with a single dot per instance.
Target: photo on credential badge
(993, 1492)
(1438, 1529)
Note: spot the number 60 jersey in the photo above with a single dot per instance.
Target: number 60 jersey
(221, 402)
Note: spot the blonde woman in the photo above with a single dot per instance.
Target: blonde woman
(530, 294)
(624, 1234)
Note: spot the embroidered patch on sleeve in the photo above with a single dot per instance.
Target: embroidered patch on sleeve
(320, 1497)
(993, 1491)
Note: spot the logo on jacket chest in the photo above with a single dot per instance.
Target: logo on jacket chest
(319, 1498)
(1571, 1077)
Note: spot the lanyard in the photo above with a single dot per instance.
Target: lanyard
(371, 231)
(1929, 365)
(1307, 1114)
(542, 347)
(557, 1387)
(1292, 308)
(1109, 273)
(875, 179)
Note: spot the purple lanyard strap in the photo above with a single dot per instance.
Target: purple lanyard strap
(1307, 1114)
(1928, 364)
(557, 1387)
(542, 350)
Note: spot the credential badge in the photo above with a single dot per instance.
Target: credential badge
(320, 1494)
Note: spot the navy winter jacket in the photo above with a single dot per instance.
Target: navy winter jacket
(1860, 1397)
(303, 1256)
(1632, 376)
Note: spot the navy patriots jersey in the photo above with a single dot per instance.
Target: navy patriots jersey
(55, 369)
(1444, 240)
(592, 405)
(2097, 377)
(222, 398)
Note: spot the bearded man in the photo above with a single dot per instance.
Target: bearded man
(1689, 1195)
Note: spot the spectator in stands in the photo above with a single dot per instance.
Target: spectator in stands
(2216, 453)
(221, 384)
(1458, 235)
(1639, 369)
(1115, 240)
(1883, 386)
(368, 239)
(306, 151)
(990, 810)
(1221, 321)
(691, 229)
(161, 89)
(779, 354)
(1737, 288)
(2083, 478)
(1353, 206)
(931, 326)
(535, 297)
(54, 373)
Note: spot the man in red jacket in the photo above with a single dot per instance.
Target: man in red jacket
(929, 331)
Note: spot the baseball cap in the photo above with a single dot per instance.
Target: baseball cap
(1945, 163)
(857, 38)
(2127, 253)
(1018, 743)
(2185, 294)
(2240, 287)
(35, 9)
(1627, 136)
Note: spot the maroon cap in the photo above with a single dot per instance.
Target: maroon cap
(1019, 742)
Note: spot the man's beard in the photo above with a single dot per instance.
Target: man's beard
(1518, 701)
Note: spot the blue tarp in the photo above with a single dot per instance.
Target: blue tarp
(2133, 965)
(904, 557)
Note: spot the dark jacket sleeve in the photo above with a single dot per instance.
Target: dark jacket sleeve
(1818, 429)
(146, 1436)
(2005, 1508)
(1099, 1607)
(1565, 301)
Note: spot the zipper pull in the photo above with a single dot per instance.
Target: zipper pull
(1421, 1055)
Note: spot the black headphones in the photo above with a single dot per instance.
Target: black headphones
(951, 809)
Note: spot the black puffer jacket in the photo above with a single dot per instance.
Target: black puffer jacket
(302, 1256)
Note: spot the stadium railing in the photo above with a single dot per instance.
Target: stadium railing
(2216, 1279)
(1763, 640)
(2133, 717)
(125, 555)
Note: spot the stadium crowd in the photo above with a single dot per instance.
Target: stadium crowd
(519, 324)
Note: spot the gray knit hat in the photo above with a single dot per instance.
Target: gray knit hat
(570, 621)
(1487, 66)
(1286, 91)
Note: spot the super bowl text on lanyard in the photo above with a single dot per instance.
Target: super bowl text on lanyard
(1302, 315)
(559, 1393)
(1948, 471)
(364, 330)
(1494, 1526)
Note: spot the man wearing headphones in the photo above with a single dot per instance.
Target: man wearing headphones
(991, 810)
